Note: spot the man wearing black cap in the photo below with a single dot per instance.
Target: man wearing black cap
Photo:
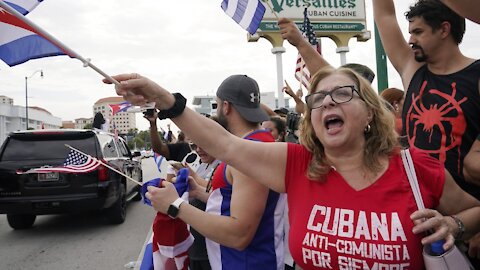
(255, 241)
(244, 221)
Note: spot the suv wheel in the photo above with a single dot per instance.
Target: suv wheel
(19, 222)
(118, 212)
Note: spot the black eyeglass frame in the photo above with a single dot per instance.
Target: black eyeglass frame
(329, 93)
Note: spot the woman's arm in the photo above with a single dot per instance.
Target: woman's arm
(455, 201)
(471, 164)
(264, 162)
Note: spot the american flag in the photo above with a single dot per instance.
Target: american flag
(247, 13)
(301, 72)
(74, 163)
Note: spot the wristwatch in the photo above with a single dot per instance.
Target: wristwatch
(460, 225)
(174, 208)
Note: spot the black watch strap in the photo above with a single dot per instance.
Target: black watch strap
(177, 108)
(460, 225)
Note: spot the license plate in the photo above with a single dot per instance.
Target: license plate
(45, 177)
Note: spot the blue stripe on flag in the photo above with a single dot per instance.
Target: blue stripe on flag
(257, 18)
(147, 260)
(158, 160)
(30, 47)
(247, 13)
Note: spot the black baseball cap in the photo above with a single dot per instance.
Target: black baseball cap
(281, 111)
(243, 92)
(363, 70)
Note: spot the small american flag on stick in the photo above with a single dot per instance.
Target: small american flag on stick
(301, 72)
(74, 163)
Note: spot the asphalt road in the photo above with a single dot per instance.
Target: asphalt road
(80, 241)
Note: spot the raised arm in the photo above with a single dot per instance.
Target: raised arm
(299, 104)
(469, 9)
(471, 164)
(312, 58)
(263, 162)
(157, 145)
(397, 49)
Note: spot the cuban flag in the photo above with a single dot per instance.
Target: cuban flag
(167, 247)
(158, 160)
(19, 42)
(247, 13)
(120, 107)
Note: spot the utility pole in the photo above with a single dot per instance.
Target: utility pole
(382, 75)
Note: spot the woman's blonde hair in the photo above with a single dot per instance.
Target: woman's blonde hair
(380, 140)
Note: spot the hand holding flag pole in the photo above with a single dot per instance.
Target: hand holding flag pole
(104, 164)
(56, 42)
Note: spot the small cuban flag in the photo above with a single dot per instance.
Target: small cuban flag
(120, 107)
(247, 13)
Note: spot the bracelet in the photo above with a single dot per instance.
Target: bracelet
(177, 108)
(461, 227)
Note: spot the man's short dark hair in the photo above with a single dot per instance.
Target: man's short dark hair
(435, 13)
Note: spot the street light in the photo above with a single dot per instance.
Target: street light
(26, 93)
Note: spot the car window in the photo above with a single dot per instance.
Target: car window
(122, 148)
(107, 144)
(47, 146)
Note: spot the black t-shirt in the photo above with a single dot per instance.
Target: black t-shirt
(441, 116)
(178, 151)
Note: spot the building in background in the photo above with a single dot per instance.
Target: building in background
(124, 121)
(6, 100)
(80, 123)
(68, 124)
(12, 118)
(204, 104)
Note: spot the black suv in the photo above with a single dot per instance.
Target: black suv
(23, 196)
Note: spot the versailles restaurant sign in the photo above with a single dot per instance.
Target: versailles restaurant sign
(325, 15)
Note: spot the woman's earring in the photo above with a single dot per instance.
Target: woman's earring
(367, 129)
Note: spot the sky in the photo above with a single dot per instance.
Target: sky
(186, 46)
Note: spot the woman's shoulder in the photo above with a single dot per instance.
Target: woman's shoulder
(423, 159)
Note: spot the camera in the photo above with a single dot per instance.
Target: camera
(149, 112)
(293, 121)
(213, 107)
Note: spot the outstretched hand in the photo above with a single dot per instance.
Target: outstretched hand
(140, 90)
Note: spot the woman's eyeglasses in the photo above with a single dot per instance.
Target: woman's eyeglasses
(339, 95)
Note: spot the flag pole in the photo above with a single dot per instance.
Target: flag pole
(106, 165)
(56, 42)
(271, 9)
(301, 73)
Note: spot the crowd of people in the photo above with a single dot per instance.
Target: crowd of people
(350, 204)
